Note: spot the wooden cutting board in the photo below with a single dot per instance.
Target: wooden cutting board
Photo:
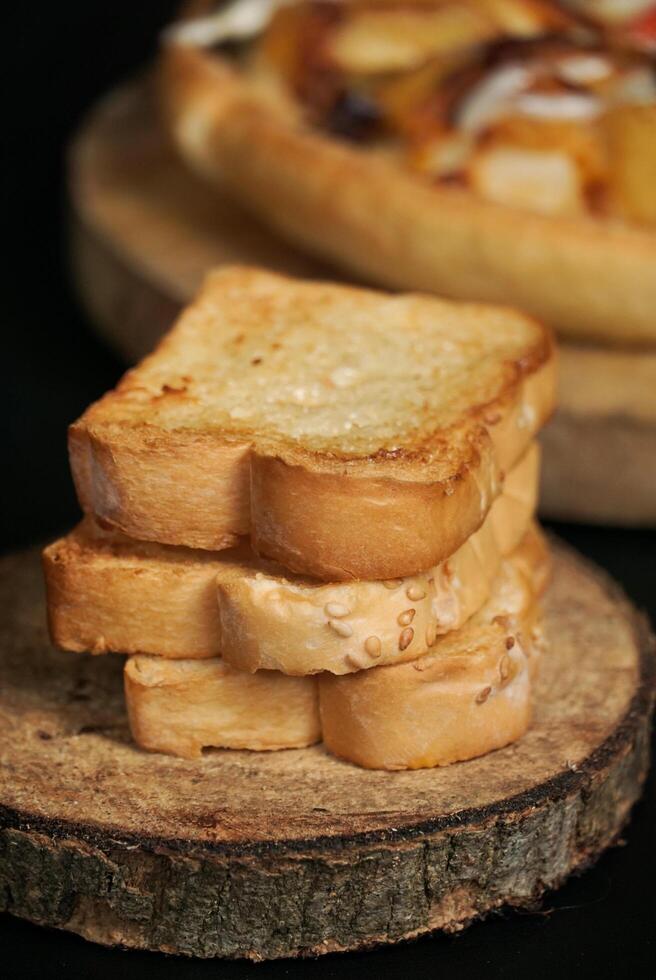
(145, 230)
(265, 855)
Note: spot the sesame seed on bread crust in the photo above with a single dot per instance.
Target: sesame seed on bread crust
(471, 694)
(107, 592)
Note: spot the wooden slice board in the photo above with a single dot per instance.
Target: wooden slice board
(267, 855)
(145, 230)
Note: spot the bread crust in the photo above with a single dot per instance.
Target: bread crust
(341, 529)
(181, 707)
(327, 515)
(139, 480)
(107, 592)
(514, 509)
(278, 625)
(470, 695)
(592, 279)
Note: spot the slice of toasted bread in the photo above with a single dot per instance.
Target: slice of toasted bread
(351, 433)
(107, 592)
(470, 695)
(180, 707)
(300, 627)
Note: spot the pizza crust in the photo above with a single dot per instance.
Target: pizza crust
(593, 279)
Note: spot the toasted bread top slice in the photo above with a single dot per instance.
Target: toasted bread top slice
(350, 432)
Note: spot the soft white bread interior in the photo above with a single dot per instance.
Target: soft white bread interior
(471, 694)
(181, 707)
(352, 434)
(107, 592)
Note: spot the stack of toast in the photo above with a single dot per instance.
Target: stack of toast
(309, 515)
(497, 150)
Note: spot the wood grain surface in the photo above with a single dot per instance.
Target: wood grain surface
(291, 853)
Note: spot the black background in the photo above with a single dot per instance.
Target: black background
(56, 59)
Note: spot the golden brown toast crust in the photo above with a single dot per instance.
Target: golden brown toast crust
(157, 461)
(468, 696)
(267, 623)
(588, 277)
(107, 592)
(471, 694)
(181, 707)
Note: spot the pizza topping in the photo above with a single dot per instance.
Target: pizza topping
(637, 87)
(354, 116)
(631, 134)
(642, 32)
(444, 157)
(613, 11)
(240, 20)
(529, 18)
(379, 38)
(536, 180)
(558, 105)
(583, 69)
(493, 96)
(537, 104)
